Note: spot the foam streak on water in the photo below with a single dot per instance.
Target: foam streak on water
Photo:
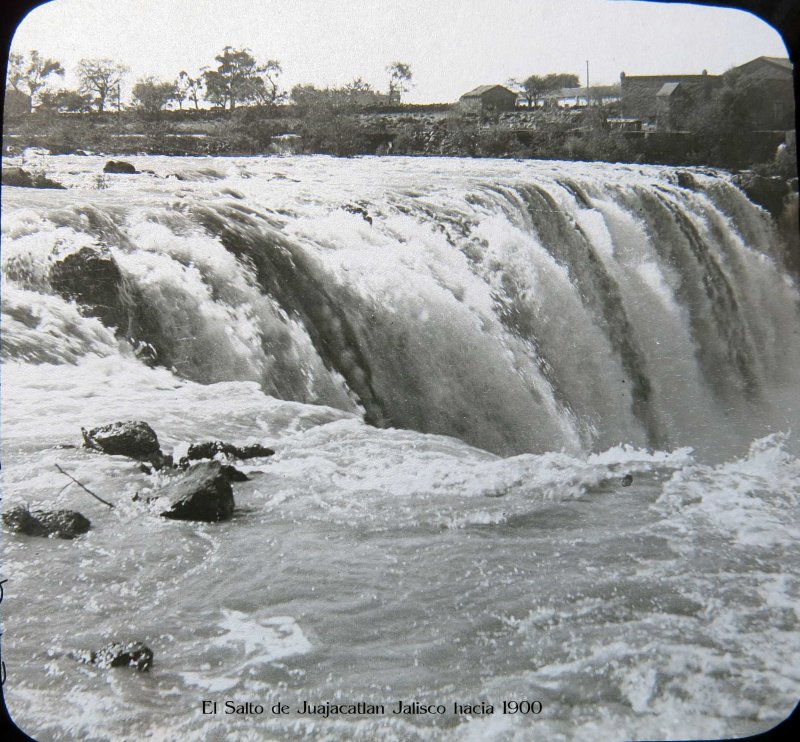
(457, 362)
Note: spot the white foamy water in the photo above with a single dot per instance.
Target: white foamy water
(456, 362)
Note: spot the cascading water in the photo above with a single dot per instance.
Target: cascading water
(393, 327)
(546, 307)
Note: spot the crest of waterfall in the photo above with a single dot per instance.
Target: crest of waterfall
(521, 307)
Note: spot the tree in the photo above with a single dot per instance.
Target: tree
(238, 78)
(151, 95)
(28, 75)
(399, 80)
(536, 87)
(267, 91)
(189, 87)
(531, 88)
(723, 120)
(181, 90)
(557, 80)
(102, 78)
(66, 101)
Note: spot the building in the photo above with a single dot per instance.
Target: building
(662, 101)
(597, 95)
(486, 99)
(769, 83)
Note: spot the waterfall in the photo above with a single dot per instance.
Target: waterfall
(521, 307)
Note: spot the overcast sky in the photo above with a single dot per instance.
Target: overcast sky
(451, 45)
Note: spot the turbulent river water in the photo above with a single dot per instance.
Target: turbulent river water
(536, 433)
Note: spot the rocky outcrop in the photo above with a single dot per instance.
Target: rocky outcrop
(767, 192)
(209, 449)
(59, 523)
(203, 493)
(119, 654)
(133, 438)
(358, 210)
(91, 277)
(16, 176)
(233, 474)
(120, 167)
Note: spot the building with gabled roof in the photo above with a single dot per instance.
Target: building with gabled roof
(486, 98)
(653, 99)
(769, 83)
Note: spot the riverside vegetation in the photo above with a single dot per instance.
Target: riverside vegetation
(251, 114)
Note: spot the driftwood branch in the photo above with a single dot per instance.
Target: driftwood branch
(83, 487)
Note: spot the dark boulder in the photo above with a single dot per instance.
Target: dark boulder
(62, 523)
(20, 520)
(253, 451)
(62, 149)
(132, 438)
(202, 492)
(120, 654)
(120, 167)
(59, 523)
(686, 180)
(233, 474)
(92, 278)
(209, 449)
(16, 176)
(767, 192)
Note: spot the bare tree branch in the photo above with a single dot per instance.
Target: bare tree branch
(83, 487)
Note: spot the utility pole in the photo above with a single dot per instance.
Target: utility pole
(588, 102)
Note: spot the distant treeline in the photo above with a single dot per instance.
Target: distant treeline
(251, 114)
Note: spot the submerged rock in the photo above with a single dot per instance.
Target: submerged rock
(119, 654)
(120, 167)
(202, 492)
(133, 438)
(209, 449)
(59, 523)
(358, 210)
(16, 176)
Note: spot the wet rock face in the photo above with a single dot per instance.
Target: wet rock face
(210, 449)
(201, 493)
(20, 520)
(16, 176)
(120, 654)
(92, 278)
(133, 438)
(62, 523)
(59, 523)
(768, 192)
(119, 167)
